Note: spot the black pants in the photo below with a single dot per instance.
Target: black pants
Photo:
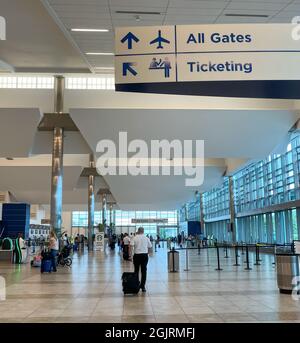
(141, 260)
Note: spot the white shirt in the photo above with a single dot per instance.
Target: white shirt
(141, 244)
(126, 240)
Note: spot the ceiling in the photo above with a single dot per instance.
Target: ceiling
(28, 175)
(227, 134)
(39, 36)
(13, 141)
(104, 14)
(35, 42)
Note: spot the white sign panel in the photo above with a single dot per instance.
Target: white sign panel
(235, 37)
(188, 53)
(238, 66)
(146, 68)
(145, 40)
(99, 241)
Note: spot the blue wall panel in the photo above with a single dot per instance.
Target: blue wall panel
(194, 228)
(16, 218)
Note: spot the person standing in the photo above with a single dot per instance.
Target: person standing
(141, 245)
(54, 247)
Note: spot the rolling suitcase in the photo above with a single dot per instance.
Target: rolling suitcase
(46, 266)
(46, 263)
(130, 283)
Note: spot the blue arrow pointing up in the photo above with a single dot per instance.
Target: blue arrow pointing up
(130, 37)
(127, 67)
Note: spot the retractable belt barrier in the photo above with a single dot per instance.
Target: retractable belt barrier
(236, 247)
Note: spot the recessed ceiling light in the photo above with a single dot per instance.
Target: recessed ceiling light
(89, 30)
(100, 53)
(246, 15)
(104, 68)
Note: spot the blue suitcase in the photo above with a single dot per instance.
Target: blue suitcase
(46, 266)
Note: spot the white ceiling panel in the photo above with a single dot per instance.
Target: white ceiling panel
(94, 13)
(265, 1)
(268, 12)
(77, 2)
(239, 20)
(74, 143)
(16, 142)
(158, 192)
(39, 178)
(250, 5)
(136, 3)
(194, 4)
(225, 134)
(179, 20)
(194, 12)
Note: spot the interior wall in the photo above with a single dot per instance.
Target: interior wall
(40, 214)
(67, 221)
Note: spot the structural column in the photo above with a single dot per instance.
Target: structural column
(110, 214)
(202, 222)
(104, 209)
(91, 204)
(57, 160)
(232, 210)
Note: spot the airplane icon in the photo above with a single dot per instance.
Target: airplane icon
(159, 40)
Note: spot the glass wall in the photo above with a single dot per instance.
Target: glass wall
(259, 187)
(169, 221)
(216, 201)
(219, 230)
(272, 181)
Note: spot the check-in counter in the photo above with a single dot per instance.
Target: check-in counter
(6, 250)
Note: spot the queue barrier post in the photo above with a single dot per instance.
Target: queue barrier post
(247, 259)
(256, 256)
(242, 248)
(199, 250)
(218, 257)
(186, 260)
(274, 263)
(207, 255)
(236, 256)
(226, 252)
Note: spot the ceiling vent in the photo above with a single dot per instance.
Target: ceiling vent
(140, 12)
(246, 15)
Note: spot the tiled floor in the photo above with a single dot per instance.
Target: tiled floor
(91, 292)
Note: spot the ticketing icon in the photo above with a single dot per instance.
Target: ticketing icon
(161, 65)
(159, 40)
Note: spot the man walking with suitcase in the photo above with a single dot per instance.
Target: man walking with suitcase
(141, 245)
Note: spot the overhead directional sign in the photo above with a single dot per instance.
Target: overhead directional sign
(248, 60)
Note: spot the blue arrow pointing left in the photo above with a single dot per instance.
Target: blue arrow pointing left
(130, 37)
(127, 67)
